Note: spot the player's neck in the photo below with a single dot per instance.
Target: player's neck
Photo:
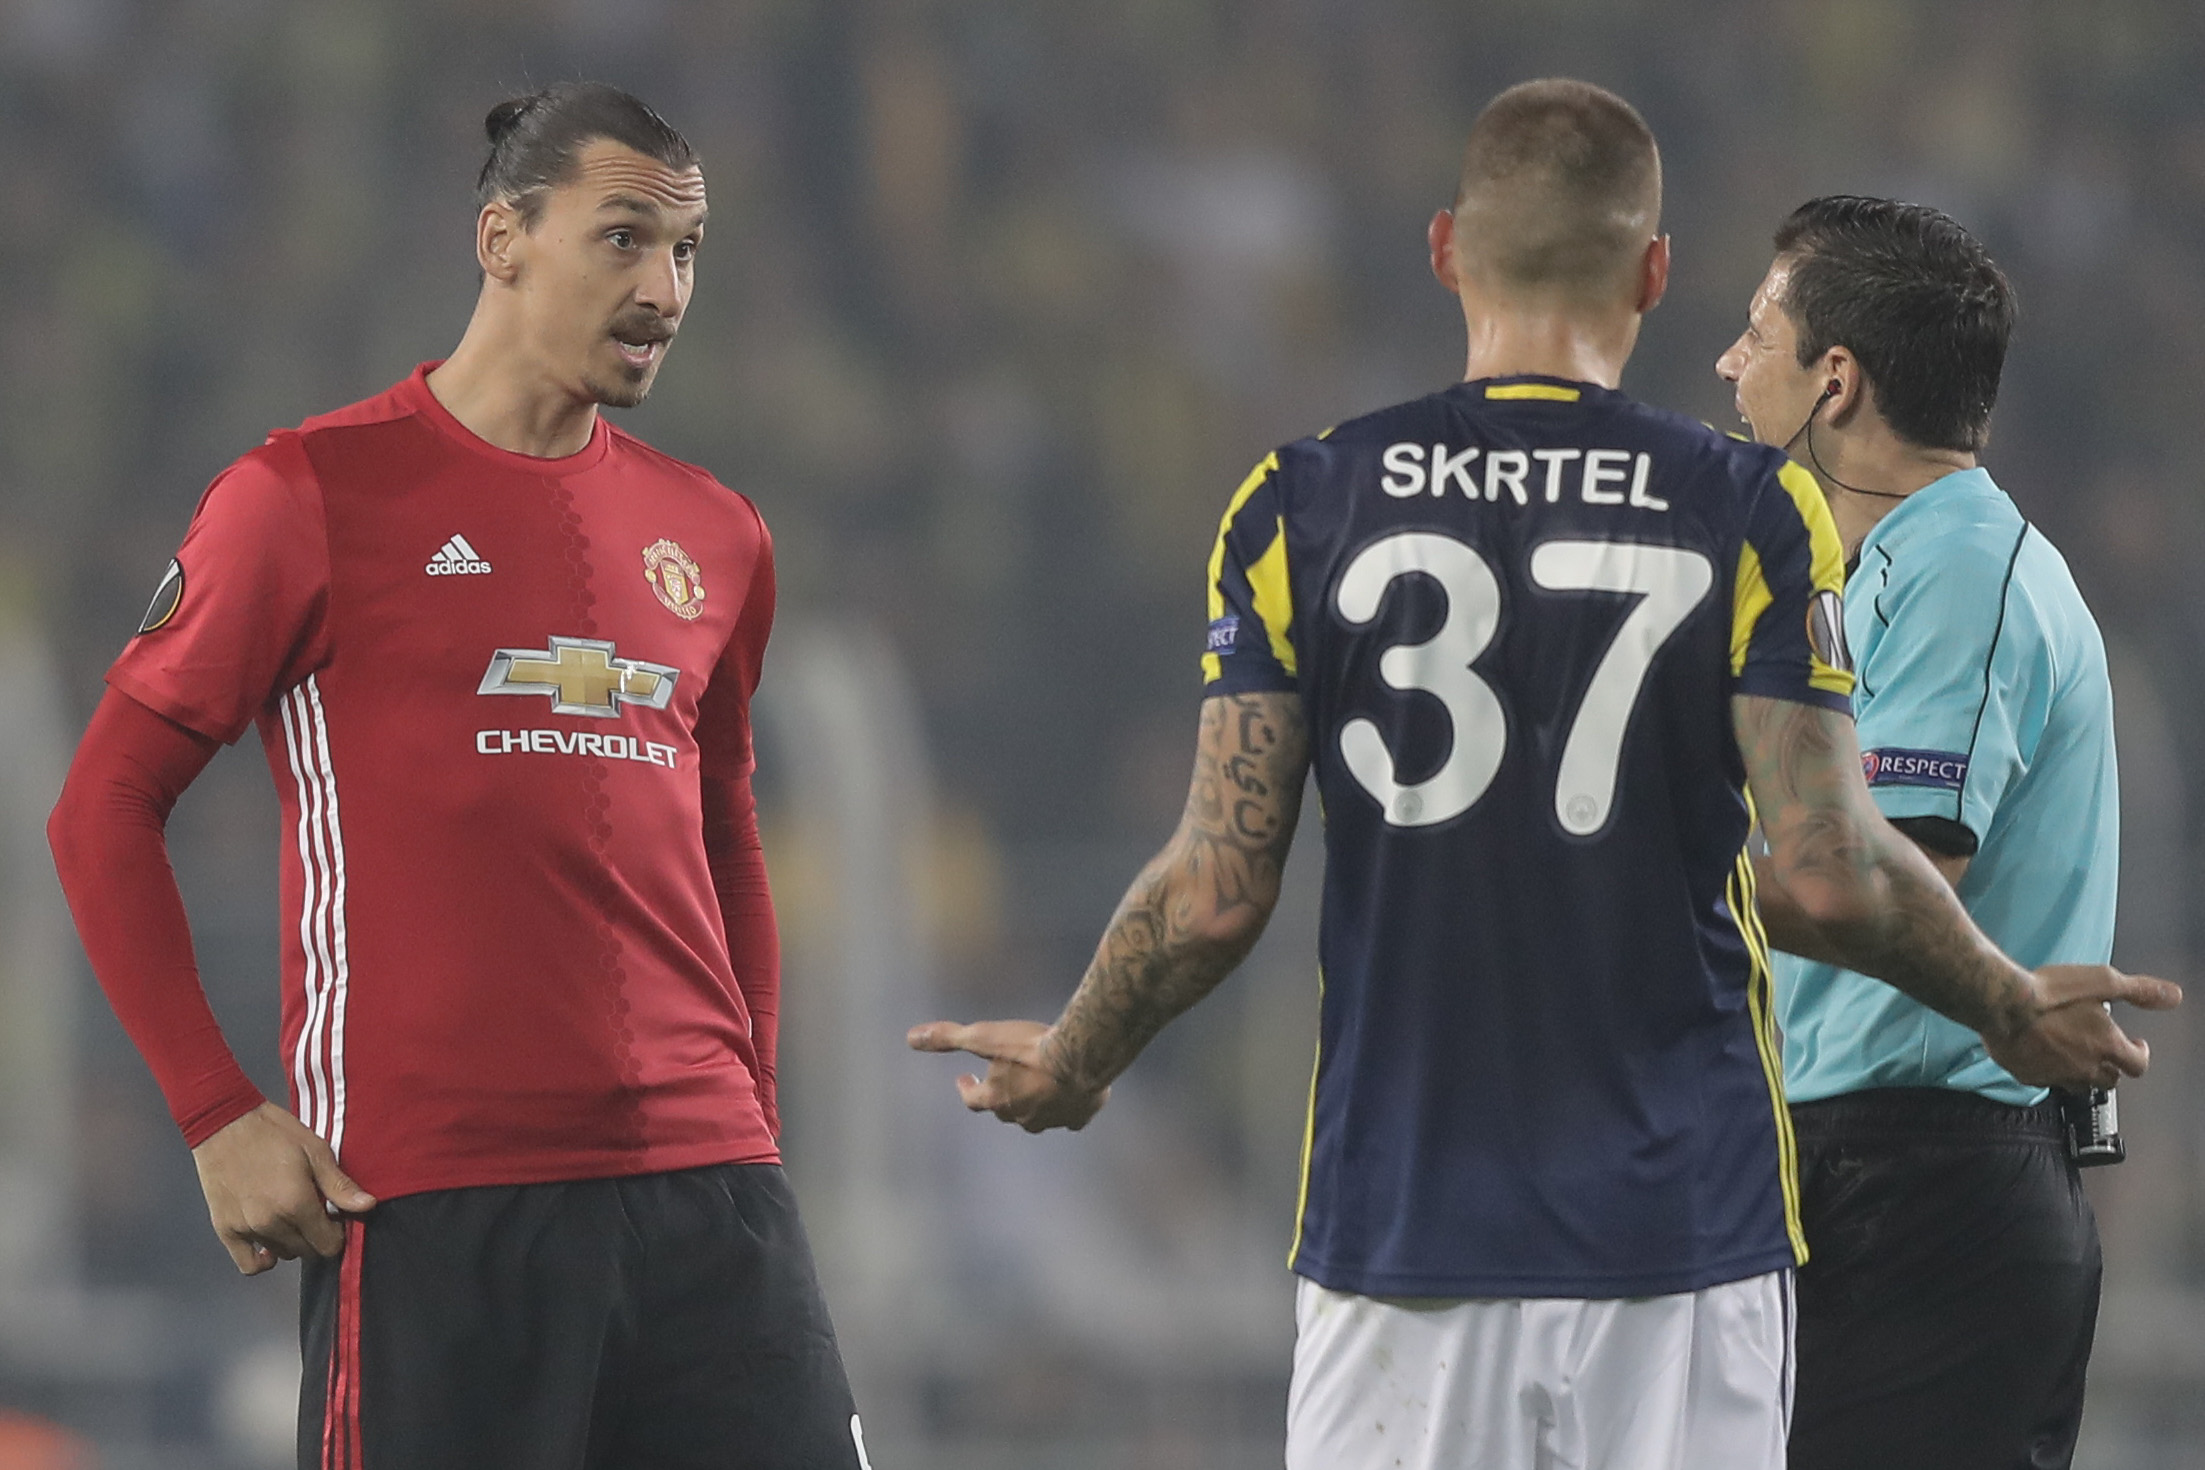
(1580, 346)
(1868, 476)
(490, 387)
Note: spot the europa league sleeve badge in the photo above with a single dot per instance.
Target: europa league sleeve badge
(165, 598)
(1826, 631)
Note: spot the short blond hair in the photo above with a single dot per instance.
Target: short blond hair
(1560, 191)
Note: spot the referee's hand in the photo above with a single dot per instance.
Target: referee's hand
(2074, 1042)
(271, 1184)
(1019, 1088)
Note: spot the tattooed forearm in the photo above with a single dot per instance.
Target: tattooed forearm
(1788, 926)
(1878, 905)
(1928, 947)
(1200, 905)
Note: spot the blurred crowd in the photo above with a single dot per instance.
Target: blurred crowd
(997, 304)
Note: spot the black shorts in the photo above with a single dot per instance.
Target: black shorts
(1948, 1304)
(660, 1322)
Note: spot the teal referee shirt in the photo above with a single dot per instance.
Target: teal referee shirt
(1981, 698)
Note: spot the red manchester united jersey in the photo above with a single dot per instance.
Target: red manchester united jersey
(487, 685)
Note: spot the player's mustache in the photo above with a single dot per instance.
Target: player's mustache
(644, 327)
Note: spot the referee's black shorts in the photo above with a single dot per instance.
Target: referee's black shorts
(660, 1322)
(1951, 1293)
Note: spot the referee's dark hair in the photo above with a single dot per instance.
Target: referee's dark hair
(1912, 295)
(535, 140)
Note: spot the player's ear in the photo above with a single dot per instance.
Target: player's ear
(497, 232)
(1440, 235)
(1653, 275)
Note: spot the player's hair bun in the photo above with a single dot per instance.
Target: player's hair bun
(507, 116)
(534, 140)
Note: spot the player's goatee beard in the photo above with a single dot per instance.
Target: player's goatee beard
(625, 391)
(622, 395)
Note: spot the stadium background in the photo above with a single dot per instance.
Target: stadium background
(1000, 300)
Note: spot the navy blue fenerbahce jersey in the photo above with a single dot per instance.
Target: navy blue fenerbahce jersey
(1516, 612)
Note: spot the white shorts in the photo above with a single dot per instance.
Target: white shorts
(1697, 1381)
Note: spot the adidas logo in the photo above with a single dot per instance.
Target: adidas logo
(455, 558)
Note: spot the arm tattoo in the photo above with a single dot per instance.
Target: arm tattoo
(1200, 904)
(1904, 925)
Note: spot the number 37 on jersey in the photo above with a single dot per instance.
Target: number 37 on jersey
(1668, 582)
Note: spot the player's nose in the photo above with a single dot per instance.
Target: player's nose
(660, 287)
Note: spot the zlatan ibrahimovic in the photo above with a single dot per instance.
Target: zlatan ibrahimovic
(500, 655)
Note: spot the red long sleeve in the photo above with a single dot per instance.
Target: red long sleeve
(738, 863)
(109, 839)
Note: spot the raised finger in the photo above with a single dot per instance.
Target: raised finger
(937, 1036)
(999, 1041)
(2067, 985)
(2149, 992)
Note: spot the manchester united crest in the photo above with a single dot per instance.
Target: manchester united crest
(675, 578)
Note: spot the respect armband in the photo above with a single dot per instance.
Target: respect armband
(1941, 770)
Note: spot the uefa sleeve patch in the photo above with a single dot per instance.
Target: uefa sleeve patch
(1224, 633)
(1940, 770)
(165, 599)
(1826, 631)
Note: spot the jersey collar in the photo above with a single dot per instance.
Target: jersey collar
(1530, 387)
(1939, 497)
(423, 402)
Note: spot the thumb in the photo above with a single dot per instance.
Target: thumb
(337, 1186)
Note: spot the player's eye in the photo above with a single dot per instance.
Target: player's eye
(685, 250)
(621, 239)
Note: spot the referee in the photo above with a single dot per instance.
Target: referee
(1946, 1314)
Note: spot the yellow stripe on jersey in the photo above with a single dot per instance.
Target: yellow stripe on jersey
(1827, 565)
(1211, 667)
(1828, 569)
(1248, 487)
(1554, 392)
(1752, 599)
(1274, 600)
(1739, 892)
(1309, 1125)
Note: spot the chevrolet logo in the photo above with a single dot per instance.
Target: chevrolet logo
(582, 677)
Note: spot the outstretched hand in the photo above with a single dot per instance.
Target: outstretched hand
(1020, 1086)
(2074, 1042)
(271, 1185)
